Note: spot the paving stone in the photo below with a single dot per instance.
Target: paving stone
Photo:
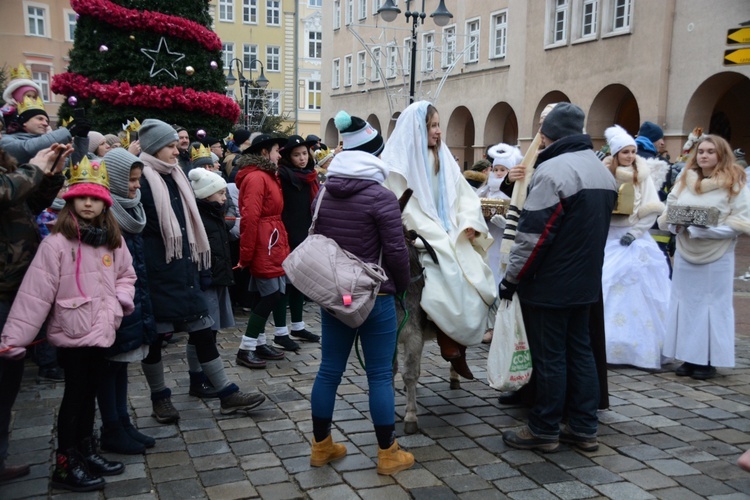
(685, 434)
(362, 479)
(677, 493)
(259, 461)
(704, 485)
(317, 477)
(535, 494)
(623, 490)
(208, 448)
(569, 460)
(443, 468)
(221, 476)
(570, 490)
(173, 473)
(721, 470)
(545, 472)
(515, 484)
(672, 467)
(394, 492)
(427, 453)
(714, 413)
(595, 475)
(215, 462)
(618, 440)
(268, 475)
(474, 457)
(231, 491)
(648, 479)
(433, 493)
(466, 482)
(185, 488)
(690, 454)
(643, 452)
(633, 428)
(716, 448)
(521, 457)
(456, 443)
(494, 471)
(740, 484)
(701, 424)
(730, 436)
(661, 441)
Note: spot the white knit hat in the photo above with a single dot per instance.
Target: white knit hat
(618, 138)
(95, 140)
(505, 155)
(205, 183)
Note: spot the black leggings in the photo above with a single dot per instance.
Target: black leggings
(203, 340)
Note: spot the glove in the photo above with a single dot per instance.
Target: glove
(499, 221)
(206, 281)
(507, 289)
(80, 127)
(627, 239)
(674, 228)
(712, 233)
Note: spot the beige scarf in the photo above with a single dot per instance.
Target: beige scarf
(200, 251)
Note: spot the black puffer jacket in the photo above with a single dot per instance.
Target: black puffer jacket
(175, 287)
(212, 215)
(297, 215)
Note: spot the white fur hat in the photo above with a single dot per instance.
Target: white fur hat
(505, 155)
(205, 183)
(618, 138)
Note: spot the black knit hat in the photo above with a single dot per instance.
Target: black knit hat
(358, 135)
(651, 131)
(240, 135)
(564, 120)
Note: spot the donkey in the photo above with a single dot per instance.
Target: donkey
(417, 329)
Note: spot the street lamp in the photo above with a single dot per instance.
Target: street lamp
(245, 84)
(389, 12)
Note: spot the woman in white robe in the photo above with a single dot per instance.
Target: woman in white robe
(700, 324)
(635, 276)
(446, 211)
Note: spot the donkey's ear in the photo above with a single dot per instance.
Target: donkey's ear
(405, 198)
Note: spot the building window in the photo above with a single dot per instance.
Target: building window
(407, 56)
(273, 12)
(392, 60)
(226, 11)
(361, 67)
(621, 15)
(499, 40)
(348, 71)
(428, 56)
(375, 69)
(472, 40)
(250, 11)
(314, 44)
(36, 20)
(227, 52)
(336, 74)
(230, 92)
(336, 14)
(273, 58)
(41, 78)
(376, 4)
(559, 30)
(588, 18)
(362, 9)
(273, 102)
(314, 3)
(349, 12)
(70, 25)
(249, 55)
(313, 95)
(449, 46)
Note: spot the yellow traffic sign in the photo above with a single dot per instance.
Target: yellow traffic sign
(738, 36)
(736, 56)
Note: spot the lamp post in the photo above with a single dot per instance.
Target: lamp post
(245, 84)
(389, 12)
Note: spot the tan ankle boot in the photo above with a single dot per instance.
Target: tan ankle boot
(393, 460)
(326, 451)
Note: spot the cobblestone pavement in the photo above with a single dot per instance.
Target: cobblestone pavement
(663, 437)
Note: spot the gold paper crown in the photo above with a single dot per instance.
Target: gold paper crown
(20, 72)
(201, 152)
(90, 173)
(132, 126)
(28, 104)
(66, 121)
(321, 155)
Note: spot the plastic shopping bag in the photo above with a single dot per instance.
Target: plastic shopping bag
(509, 360)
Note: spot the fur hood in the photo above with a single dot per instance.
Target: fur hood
(471, 175)
(257, 161)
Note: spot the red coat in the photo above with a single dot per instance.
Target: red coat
(264, 243)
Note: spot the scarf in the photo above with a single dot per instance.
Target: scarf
(94, 236)
(200, 252)
(57, 204)
(298, 177)
(129, 213)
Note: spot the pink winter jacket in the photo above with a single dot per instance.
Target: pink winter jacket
(107, 279)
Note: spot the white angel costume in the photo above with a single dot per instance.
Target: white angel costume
(460, 288)
(635, 278)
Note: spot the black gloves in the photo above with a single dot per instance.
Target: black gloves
(507, 289)
(80, 127)
(627, 239)
(206, 281)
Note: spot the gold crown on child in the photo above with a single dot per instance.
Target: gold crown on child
(201, 152)
(89, 172)
(20, 72)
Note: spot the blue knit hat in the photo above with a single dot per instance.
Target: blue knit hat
(651, 131)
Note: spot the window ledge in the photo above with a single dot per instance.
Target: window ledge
(497, 58)
(621, 32)
(590, 38)
(556, 45)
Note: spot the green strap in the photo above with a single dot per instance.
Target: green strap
(401, 298)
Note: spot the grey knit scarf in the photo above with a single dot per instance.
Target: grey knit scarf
(129, 213)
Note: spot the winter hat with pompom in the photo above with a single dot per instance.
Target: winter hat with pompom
(618, 138)
(205, 183)
(506, 155)
(357, 134)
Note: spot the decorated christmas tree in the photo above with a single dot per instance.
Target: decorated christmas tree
(146, 59)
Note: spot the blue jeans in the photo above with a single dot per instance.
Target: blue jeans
(564, 370)
(11, 373)
(377, 336)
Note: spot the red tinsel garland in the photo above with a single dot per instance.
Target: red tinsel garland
(147, 96)
(132, 19)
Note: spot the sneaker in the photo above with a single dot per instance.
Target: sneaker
(525, 440)
(50, 373)
(239, 401)
(249, 359)
(305, 335)
(701, 372)
(268, 352)
(685, 369)
(585, 443)
(164, 412)
(286, 342)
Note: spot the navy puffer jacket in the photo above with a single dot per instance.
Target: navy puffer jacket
(362, 216)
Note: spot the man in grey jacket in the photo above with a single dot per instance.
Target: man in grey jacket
(555, 265)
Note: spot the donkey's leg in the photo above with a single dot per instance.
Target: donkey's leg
(455, 379)
(412, 342)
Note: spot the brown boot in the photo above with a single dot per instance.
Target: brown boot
(459, 364)
(326, 451)
(393, 460)
(449, 348)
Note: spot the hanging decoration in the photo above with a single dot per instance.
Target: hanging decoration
(162, 59)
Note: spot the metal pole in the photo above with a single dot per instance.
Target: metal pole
(247, 108)
(412, 75)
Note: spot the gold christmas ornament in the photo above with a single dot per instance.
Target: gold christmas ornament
(190, 70)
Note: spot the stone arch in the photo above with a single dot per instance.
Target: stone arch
(549, 98)
(720, 105)
(392, 123)
(331, 138)
(375, 122)
(459, 136)
(614, 104)
(501, 126)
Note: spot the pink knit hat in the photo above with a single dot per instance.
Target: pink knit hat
(86, 189)
(89, 179)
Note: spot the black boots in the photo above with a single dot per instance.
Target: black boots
(97, 464)
(72, 474)
(117, 440)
